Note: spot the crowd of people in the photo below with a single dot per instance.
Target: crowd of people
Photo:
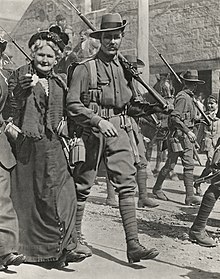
(57, 126)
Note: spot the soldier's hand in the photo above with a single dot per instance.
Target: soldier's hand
(107, 128)
(191, 136)
(169, 108)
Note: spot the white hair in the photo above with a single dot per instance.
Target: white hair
(41, 43)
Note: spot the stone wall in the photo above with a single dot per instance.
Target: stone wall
(185, 32)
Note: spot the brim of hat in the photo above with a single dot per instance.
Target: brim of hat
(97, 34)
(199, 81)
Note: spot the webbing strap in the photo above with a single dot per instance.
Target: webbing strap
(93, 74)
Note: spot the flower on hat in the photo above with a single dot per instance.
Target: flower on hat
(54, 35)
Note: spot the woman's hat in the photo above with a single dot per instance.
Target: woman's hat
(3, 44)
(191, 75)
(109, 22)
(54, 35)
(136, 62)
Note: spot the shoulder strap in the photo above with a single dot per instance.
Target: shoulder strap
(93, 74)
(91, 66)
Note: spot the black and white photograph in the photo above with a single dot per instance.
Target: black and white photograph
(109, 139)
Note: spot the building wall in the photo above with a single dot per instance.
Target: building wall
(185, 32)
(40, 14)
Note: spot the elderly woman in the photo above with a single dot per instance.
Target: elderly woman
(43, 189)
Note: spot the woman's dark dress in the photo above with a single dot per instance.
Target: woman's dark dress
(43, 189)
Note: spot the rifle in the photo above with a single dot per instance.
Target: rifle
(195, 153)
(126, 64)
(13, 41)
(208, 122)
(207, 177)
(166, 63)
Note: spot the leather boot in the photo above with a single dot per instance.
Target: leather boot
(157, 189)
(12, 259)
(137, 252)
(110, 200)
(197, 232)
(143, 200)
(81, 247)
(191, 199)
(202, 238)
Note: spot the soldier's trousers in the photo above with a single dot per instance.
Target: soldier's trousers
(118, 158)
(188, 165)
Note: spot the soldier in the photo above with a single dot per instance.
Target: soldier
(211, 135)
(181, 138)
(104, 110)
(197, 232)
(8, 217)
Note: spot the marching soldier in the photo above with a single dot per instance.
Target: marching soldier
(197, 233)
(104, 108)
(211, 135)
(181, 138)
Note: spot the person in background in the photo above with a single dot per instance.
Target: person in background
(9, 236)
(181, 138)
(198, 233)
(87, 45)
(104, 109)
(210, 137)
(43, 188)
(61, 21)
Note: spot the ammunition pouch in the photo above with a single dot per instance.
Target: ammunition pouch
(77, 153)
(74, 148)
(175, 143)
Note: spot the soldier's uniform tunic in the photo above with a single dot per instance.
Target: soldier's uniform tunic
(117, 151)
(181, 122)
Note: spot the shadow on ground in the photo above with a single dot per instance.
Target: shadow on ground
(194, 273)
(109, 257)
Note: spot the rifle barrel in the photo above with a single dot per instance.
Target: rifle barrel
(13, 41)
(126, 63)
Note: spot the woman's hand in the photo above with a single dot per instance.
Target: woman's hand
(28, 81)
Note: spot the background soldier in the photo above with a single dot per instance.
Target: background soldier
(197, 232)
(211, 135)
(181, 138)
